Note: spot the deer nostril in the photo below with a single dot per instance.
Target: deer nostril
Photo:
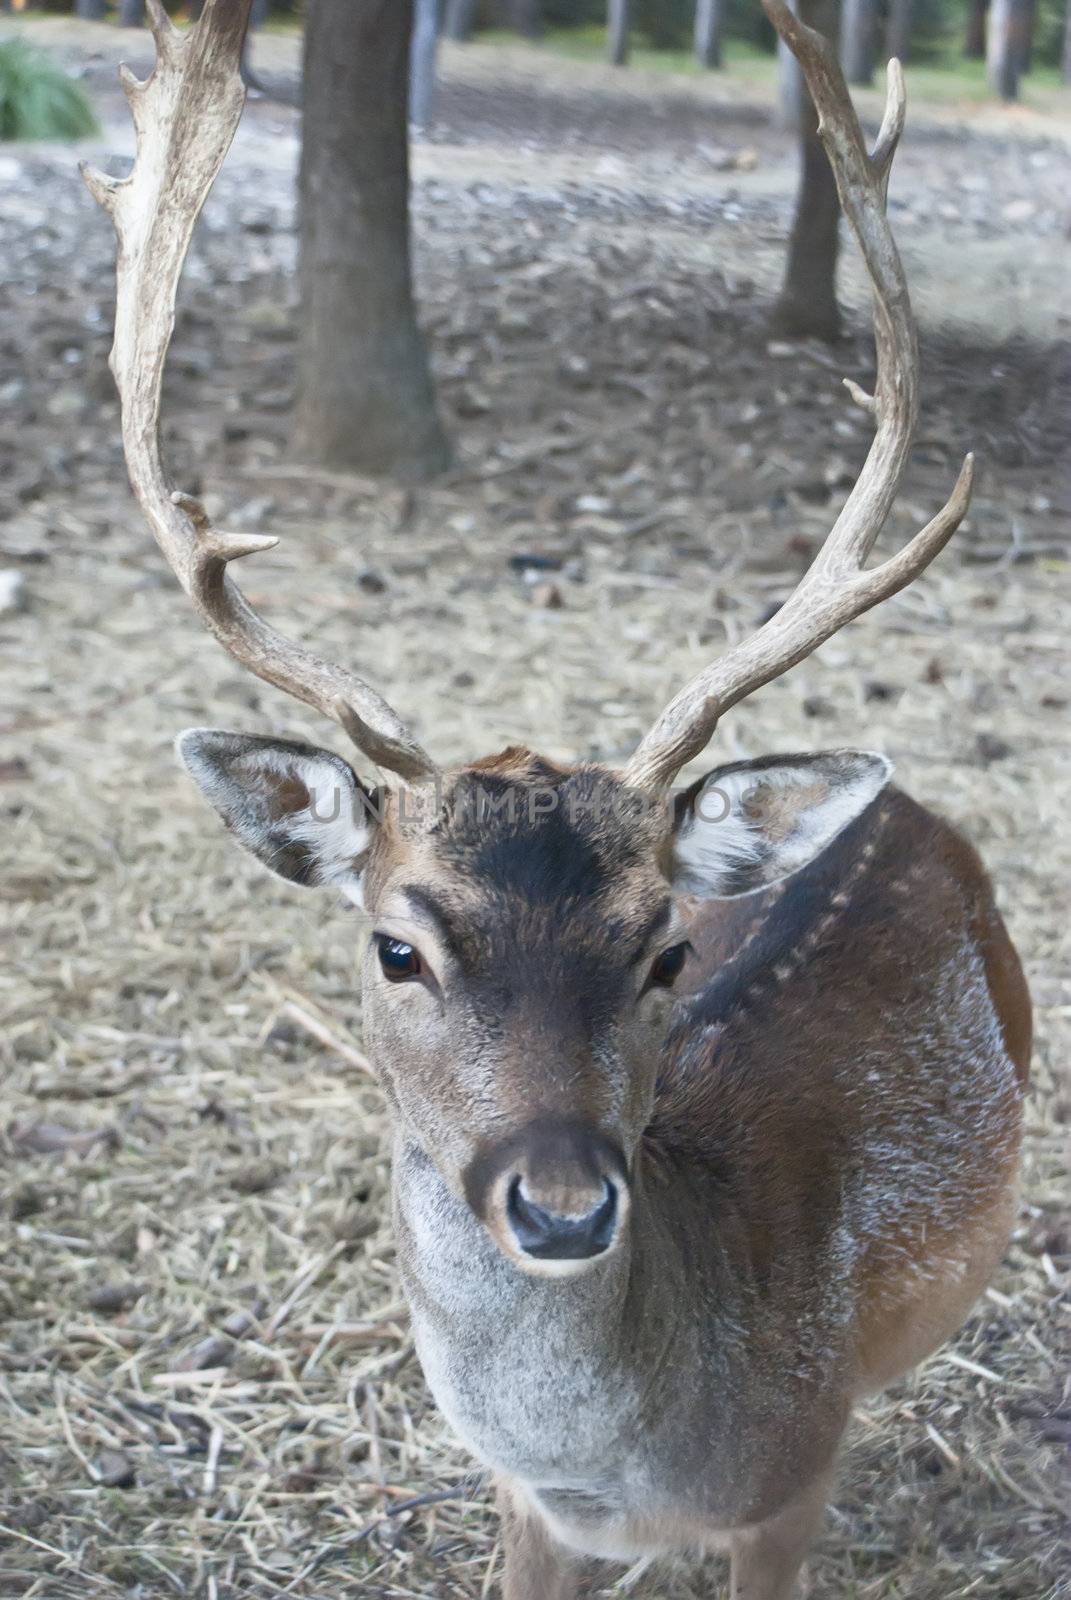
(551, 1237)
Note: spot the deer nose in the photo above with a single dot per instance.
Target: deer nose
(550, 1236)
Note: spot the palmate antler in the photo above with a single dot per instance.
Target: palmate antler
(838, 586)
(185, 115)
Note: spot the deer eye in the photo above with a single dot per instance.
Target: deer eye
(399, 961)
(666, 968)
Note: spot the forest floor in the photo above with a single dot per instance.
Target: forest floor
(189, 1132)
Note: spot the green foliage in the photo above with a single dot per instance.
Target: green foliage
(37, 99)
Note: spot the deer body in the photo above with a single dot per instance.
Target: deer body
(816, 1205)
(706, 1104)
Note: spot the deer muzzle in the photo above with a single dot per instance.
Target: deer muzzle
(555, 1197)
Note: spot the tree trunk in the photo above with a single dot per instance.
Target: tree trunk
(460, 19)
(526, 18)
(898, 29)
(1067, 45)
(617, 19)
(709, 26)
(422, 62)
(365, 398)
(789, 86)
(858, 40)
(131, 13)
(91, 10)
(1008, 45)
(1027, 63)
(807, 307)
(974, 42)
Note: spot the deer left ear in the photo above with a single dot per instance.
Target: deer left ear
(745, 826)
(301, 811)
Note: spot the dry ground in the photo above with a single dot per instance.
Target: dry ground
(189, 1134)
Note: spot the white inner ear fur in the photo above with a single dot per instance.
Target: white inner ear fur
(754, 823)
(247, 781)
(334, 824)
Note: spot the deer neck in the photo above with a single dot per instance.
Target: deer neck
(543, 1378)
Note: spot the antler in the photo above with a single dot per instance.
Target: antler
(185, 115)
(838, 586)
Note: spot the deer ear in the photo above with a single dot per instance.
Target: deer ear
(745, 826)
(301, 811)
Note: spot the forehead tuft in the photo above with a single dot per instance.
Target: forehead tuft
(517, 824)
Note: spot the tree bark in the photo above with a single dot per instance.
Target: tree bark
(526, 18)
(460, 19)
(789, 86)
(898, 29)
(858, 40)
(131, 13)
(1027, 63)
(974, 42)
(617, 19)
(422, 62)
(1008, 45)
(365, 398)
(709, 26)
(807, 307)
(91, 10)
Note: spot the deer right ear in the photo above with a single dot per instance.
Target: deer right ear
(301, 811)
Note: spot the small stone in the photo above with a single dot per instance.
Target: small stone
(990, 748)
(111, 1298)
(12, 592)
(115, 1470)
(370, 582)
(548, 596)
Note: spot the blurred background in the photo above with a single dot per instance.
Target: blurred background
(526, 335)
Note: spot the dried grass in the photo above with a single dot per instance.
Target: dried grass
(206, 1377)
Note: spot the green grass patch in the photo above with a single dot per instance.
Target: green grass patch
(37, 99)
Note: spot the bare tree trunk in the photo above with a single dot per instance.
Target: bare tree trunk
(807, 306)
(617, 20)
(460, 19)
(131, 13)
(1028, 42)
(709, 26)
(526, 17)
(422, 62)
(91, 10)
(974, 42)
(1067, 45)
(365, 398)
(790, 89)
(858, 40)
(1008, 45)
(898, 29)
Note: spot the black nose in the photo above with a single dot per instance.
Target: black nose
(550, 1237)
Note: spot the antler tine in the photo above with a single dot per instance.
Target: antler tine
(838, 585)
(185, 115)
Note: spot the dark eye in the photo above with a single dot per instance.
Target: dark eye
(399, 961)
(666, 968)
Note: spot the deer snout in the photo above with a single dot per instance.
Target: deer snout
(555, 1197)
(562, 1235)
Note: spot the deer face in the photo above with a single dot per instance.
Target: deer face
(528, 924)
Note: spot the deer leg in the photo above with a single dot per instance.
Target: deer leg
(766, 1558)
(537, 1567)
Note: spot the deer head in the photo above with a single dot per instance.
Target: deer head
(528, 921)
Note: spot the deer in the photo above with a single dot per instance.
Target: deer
(706, 1100)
